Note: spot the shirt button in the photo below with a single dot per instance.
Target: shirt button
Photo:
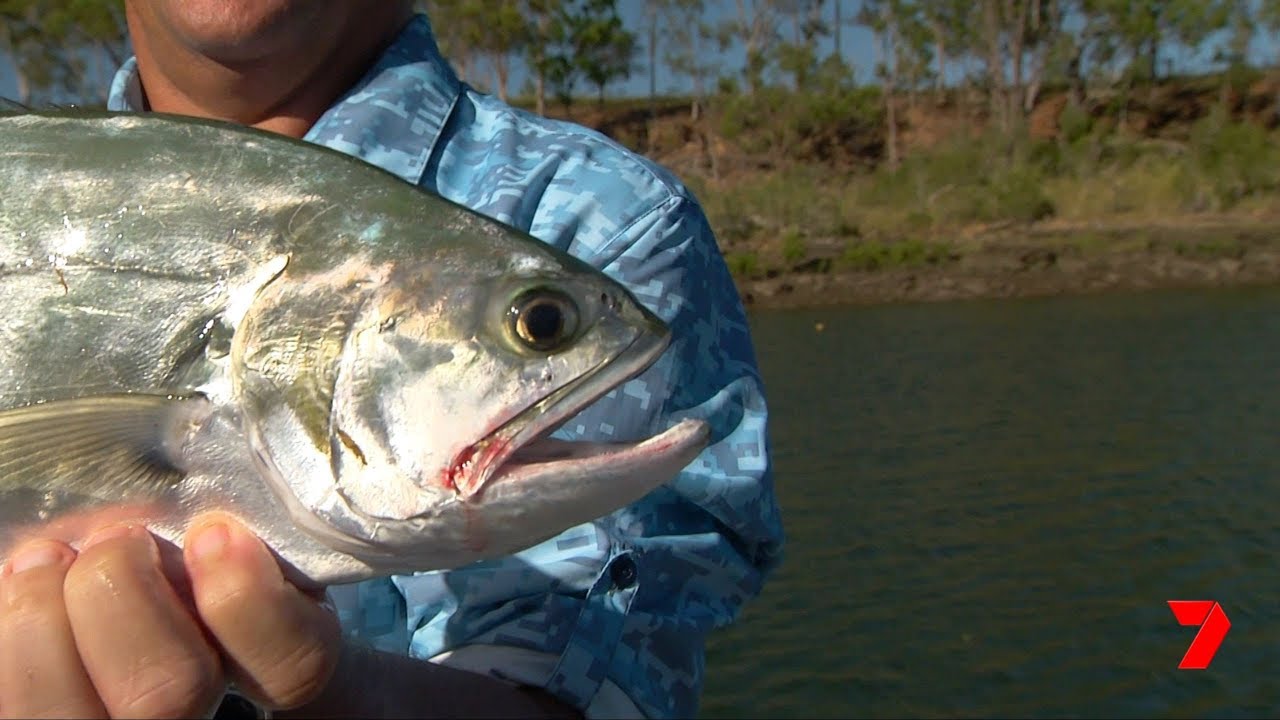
(623, 572)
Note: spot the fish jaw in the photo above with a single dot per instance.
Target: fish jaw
(558, 484)
(477, 464)
(631, 468)
(546, 487)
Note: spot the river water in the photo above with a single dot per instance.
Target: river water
(989, 504)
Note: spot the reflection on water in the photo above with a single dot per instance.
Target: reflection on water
(988, 505)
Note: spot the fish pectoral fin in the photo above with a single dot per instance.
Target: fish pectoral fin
(124, 445)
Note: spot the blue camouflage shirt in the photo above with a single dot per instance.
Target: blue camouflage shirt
(610, 616)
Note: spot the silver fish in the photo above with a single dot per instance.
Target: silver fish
(200, 316)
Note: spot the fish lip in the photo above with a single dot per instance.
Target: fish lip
(473, 467)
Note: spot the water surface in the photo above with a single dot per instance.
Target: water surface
(988, 505)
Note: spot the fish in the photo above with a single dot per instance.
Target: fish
(201, 316)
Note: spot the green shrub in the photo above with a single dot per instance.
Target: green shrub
(1234, 159)
(1074, 123)
(743, 264)
(1019, 195)
(793, 247)
(870, 256)
(1215, 248)
(800, 126)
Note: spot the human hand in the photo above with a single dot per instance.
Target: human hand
(105, 633)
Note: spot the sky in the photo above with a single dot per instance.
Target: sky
(856, 44)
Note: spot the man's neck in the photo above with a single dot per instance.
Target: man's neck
(285, 92)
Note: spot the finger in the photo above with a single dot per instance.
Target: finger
(40, 670)
(145, 654)
(281, 646)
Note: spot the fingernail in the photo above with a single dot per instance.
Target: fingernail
(39, 555)
(111, 533)
(210, 541)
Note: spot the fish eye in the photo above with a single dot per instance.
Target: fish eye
(543, 319)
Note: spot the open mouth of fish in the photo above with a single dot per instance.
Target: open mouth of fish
(523, 441)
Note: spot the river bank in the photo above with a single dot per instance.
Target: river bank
(1175, 186)
(1042, 260)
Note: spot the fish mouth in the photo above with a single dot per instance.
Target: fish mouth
(523, 440)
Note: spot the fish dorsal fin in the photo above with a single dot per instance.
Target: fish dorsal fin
(110, 446)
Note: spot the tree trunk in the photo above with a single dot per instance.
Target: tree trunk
(1045, 47)
(542, 40)
(1032, 94)
(653, 66)
(1017, 19)
(803, 37)
(940, 48)
(891, 122)
(113, 57)
(836, 29)
(91, 85)
(24, 87)
(1153, 58)
(995, 63)
(503, 72)
(890, 56)
(695, 107)
(748, 25)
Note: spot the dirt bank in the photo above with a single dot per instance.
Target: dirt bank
(1102, 231)
(1029, 262)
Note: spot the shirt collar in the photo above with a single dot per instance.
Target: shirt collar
(126, 89)
(393, 117)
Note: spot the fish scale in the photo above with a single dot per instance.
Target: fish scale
(206, 317)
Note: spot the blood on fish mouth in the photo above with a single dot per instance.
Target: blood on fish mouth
(466, 474)
(528, 433)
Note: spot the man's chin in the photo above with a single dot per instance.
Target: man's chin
(237, 32)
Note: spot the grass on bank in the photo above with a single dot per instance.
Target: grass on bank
(807, 216)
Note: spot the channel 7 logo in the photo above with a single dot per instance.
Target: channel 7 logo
(1213, 623)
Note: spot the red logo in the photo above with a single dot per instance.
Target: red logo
(1213, 624)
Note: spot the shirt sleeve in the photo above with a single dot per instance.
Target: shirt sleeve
(626, 602)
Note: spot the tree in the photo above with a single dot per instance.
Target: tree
(454, 23)
(688, 49)
(1145, 27)
(799, 57)
(882, 17)
(1021, 40)
(603, 50)
(571, 39)
(1241, 26)
(913, 48)
(837, 29)
(948, 24)
(653, 22)
(544, 49)
(503, 32)
(1268, 14)
(1051, 48)
(59, 47)
(756, 27)
(994, 41)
